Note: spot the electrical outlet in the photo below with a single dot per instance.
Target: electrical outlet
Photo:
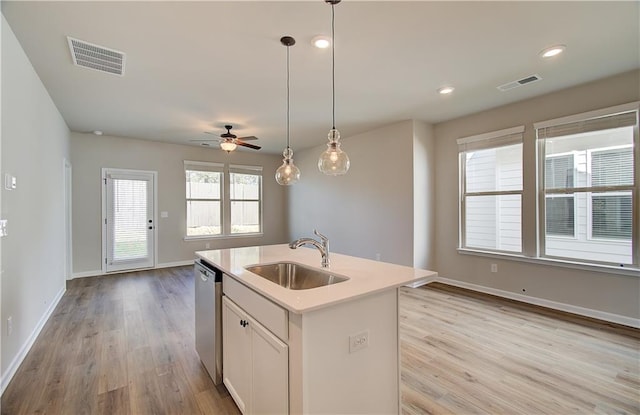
(9, 325)
(377, 257)
(358, 341)
(494, 267)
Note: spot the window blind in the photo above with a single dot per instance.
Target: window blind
(592, 122)
(492, 139)
(612, 167)
(237, 168)
(203, 166)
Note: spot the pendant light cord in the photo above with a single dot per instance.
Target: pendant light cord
(333, 63)
(287, 96)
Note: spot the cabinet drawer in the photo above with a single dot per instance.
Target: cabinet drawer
(269, 314)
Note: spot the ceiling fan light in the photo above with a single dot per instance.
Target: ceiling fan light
(228, 146)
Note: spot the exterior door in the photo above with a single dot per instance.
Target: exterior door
(129, 219)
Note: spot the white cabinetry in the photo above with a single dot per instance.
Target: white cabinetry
(255, 361)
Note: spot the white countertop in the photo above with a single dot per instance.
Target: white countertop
(365, 276)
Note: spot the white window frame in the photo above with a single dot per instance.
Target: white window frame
(575, 204)
(590, 196)
(252, 170)
(494, 139)
(225, 197)
(591, 121)
(205, 167)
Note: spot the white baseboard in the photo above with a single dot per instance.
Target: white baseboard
(175, 264)
(582, 311)
(99, 272)
(17, 360)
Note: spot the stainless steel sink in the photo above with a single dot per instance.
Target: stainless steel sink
(296, 276)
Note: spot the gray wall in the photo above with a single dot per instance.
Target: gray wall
(605, 292)
(90, 153)
(35, 142)
(370, 210)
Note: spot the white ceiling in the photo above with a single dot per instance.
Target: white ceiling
(194, 66)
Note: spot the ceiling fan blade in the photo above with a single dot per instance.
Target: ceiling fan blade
(210, 132)
(251, 137)
(204, 140)
(240, 143)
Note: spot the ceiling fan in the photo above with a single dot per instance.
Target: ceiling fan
(229, 142)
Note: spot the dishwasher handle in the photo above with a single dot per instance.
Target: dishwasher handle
(208, 271)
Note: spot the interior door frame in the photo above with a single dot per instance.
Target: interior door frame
(105, 172)
(68, 217)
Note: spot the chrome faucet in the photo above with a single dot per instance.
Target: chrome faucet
(322, 246)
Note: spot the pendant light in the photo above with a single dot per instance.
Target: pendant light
(334, 161)
(288, 173)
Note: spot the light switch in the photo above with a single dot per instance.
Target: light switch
(10, 182)
(164, 214)
(3, 227)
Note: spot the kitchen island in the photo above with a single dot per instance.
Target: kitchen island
(327, 350)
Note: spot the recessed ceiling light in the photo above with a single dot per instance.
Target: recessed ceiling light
(97, 132)
(552, 51)
(445, 90)
(321, 42)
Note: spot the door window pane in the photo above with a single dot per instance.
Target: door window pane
(129, 219)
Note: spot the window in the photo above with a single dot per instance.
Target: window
(589, 187)
(491, 191)
(611, 213)
(245, 197)
(222, 201)
(560, 209)
(204, 199)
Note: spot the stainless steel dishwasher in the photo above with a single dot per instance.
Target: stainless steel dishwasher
(208, 302)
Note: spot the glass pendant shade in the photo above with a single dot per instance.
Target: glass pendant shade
(288, 173)
(333, 161)
(228, 146)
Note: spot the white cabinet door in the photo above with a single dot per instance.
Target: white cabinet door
(236, 352)
(270, 372)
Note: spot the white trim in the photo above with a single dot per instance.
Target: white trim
(175, 264)
(28, 344)
(235, 167)
(98, 272)
(207, 165)
(85, 274)
(555, 262)
(108, 172)
(67, 174)
(491, 135)
(581, 311)
(605, 112)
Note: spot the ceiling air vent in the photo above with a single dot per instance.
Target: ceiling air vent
(96, 57)
(520, 82)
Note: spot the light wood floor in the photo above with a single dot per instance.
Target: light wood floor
(470, 353)
(123, 344)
